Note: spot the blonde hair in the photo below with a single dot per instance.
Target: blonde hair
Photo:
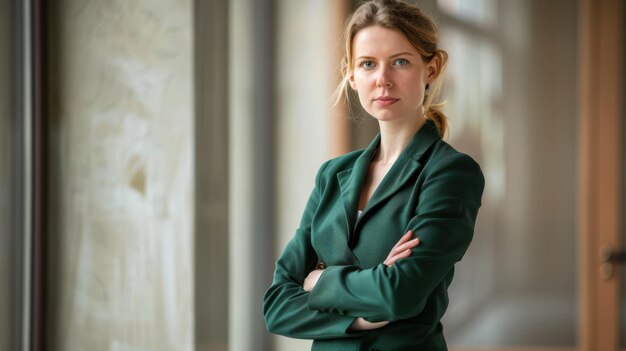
(421, 32)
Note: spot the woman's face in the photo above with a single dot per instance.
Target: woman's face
(389, 75)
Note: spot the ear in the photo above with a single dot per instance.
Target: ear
(351, 81)
(433, 68)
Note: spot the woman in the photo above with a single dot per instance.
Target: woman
(353, 277)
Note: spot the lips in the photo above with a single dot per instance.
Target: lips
(385, 100)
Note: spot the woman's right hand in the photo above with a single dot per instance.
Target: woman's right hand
(361, 324)
(402, 249)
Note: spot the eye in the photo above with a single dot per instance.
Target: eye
(401, 62)
(367, 64)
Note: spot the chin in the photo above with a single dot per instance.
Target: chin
(385, 119)
(389, 115)
(385, 116)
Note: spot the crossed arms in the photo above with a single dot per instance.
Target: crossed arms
(304, 303)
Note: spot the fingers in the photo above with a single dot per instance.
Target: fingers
(402, 249)
(391, 260)
(408, 245)
(311, 279)
(362, 324)
(406, 237)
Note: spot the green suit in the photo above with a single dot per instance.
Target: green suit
(433, 190)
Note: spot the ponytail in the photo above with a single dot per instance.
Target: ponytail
(431, 106)
(441, 121)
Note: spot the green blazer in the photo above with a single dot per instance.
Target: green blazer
(433, 190)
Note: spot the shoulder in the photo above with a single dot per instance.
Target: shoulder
(454, 169)
(336, 165)
(445, 157)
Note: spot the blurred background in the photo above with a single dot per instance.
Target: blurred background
(156, 156)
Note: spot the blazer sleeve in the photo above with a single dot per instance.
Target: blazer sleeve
(444, 222)
(285, 306)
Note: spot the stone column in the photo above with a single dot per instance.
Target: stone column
(211, 265)
(251, 169)
(121, 175)
(7, 164)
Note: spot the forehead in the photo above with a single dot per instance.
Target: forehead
(379, 41)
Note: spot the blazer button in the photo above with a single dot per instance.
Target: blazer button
(321, 265)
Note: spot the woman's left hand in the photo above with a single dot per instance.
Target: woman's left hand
(311, 279)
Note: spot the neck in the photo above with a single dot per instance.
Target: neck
(394, 137)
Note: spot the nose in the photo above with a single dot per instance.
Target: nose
(383, 80)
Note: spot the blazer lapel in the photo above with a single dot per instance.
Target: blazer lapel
(405, 167)
(403, 170)
(351, 181)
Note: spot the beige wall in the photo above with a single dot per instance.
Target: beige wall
(121, 183)
(6, 154)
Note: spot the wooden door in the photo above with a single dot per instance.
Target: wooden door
(601, 172)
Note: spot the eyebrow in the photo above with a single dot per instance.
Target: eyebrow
(392, 56)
